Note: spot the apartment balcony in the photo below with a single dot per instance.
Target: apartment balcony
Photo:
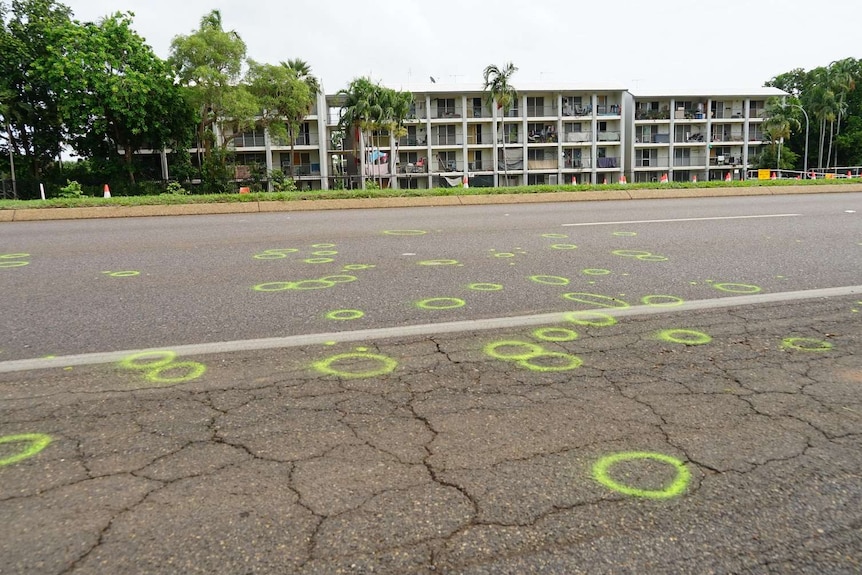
(478, 112)
(608, 136)
(409, 142)
(447, 166)
(645, 115)
(727, 138)
(607, 163)
(577, 163)
(301, 170)
(446, 140)
(446, 112)
(249, 141)
(608, 110)
(479, 166)
(541, 111)
(688, 162)
(301, 140)
(545, 164)
(725, 161)
(690, 138)
(578, 137)
(419, 167)
(539, 138)
(479, 140)
(577, 110)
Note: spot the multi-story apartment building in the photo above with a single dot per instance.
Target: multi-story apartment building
(552, 134)
(704, 136)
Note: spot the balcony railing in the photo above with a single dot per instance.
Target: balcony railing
(689, 137)
(544, 164)
(300, 170)
(690, 161)
(542, 138)
(249, 141)
(541, 111)
(478, 112)
(727, 138)
(445, 140)
(608, 162)
(608, 110)
(576, 163)
(447, 112)
(448, 165)
(578, 137)
(569, 110)
(411, 141)
(478, 166)
(413, 168)
(300, 140)
(608, 136)
(725, 160)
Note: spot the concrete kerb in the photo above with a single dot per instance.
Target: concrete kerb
(44, 214)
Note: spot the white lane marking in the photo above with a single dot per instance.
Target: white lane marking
(416, 330)
(685, 220)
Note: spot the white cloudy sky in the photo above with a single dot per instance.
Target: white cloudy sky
(637, 44)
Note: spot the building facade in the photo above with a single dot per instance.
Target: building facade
(552, 134)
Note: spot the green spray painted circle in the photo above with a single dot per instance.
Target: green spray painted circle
(405, 232)
(602, 300)
(662, 300)
(195, 370)
(339, 279)
(273, 286)
(485, 287)
(324, 253)
(275, 254)
(564, 247)
(323, 245)
(596, 272)
(318, 260)
(157, 360)
(123, 274)
(388, 365)
(737, 288)
(13, 264)
(36, 443)
(651, 258)
(13, 256)
(359, 266)
(342, 314)
(684, 336)
(625, 234)
(533, 350)
(440, 303)
(555, 236)
(550, 280)
(438, 263)
(555, 334)
(590, 318)
(572, 362)
(311, 284)
(601, 473)
(504, 255)
(631, 253)
(805, 344)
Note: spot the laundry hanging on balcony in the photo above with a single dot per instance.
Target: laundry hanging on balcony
(378, 157)
(514, 159)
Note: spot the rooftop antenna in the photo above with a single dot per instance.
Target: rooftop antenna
(433, 81)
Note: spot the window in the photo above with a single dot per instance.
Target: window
(646, 158)
(602, 126)
(645, 133)
(756, 109)
(535, 106)
(601, 152)
(570, 104)
(511, 133)
(303, 136)
(251, 139)
(447, 162)
(535, 154)
(249, 159)
(446, 136)
(476, 160)
(446, 108)
(682, 157)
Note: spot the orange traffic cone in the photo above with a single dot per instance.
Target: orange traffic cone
(728, 177)
(107, 191)
(813, 176)
(694, 179)
(623, 180)
(574, 180)
(663, 179)
(849, 175)
(798, 177)
(605, 180)
(466, 181)
(773, 176)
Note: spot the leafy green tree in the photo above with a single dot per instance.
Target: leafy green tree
(210, 61)
(360, 112)
(284, 99)
(29, 111)
(115, 93)
(780, 122)
(500, 92)
(302, 73)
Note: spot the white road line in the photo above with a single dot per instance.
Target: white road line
(417, 330)
(685, 220)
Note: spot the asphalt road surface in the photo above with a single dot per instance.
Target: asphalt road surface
(665, 386)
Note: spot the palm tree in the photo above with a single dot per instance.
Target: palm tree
(302, 72)
(501, 93)
(842, 76)
(360, 110)
(779, 124)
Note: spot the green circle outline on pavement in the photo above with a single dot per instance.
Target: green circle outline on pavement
(345, 314)
(37, 441)
(684, 336)
(737, 288)
(584, 318)
(405, 232)
(131, 361)
(454, 302)
(325, 365)
(802, 344)
(535, 349)
(547, 334)
(195, 371)
(574, 362)
(485, 287)
(601, 469)
(612, 301)
(672, 300)
(550, 280)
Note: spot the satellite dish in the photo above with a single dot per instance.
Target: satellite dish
(433, 81)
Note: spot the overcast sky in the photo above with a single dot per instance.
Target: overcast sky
(636, 44)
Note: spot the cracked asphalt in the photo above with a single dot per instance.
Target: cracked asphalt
(464, 453)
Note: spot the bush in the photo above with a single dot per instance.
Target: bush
(176, 188)
(72, 189)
